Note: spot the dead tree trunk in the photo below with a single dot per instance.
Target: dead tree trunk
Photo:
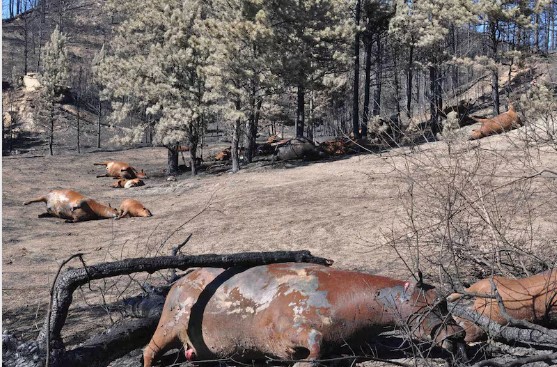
(365, 119)
(120, 340)
(172, 160)
(235, 142)
(300, 113)
(356, 92)
(378, 78)
(409, 76)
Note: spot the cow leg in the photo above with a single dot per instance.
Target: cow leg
(164, 337)
(123, 214)
(105, 175)
(45, 215)
(473, 332)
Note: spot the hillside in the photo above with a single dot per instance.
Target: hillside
(84, 21)
(353, 210)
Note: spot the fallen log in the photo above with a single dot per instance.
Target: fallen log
(115, 343)
(71, 279)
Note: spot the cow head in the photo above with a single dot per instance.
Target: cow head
(144, 212)
(427, 317)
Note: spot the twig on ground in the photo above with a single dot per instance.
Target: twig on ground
(518, 362)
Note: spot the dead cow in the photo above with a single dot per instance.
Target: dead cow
(504, 122)
(133, 208)
(224, 155)
(126, 184)
(298, 148)
(290, 311)
(533, 299)
(335, 147)
(73, 206)
(120, 170)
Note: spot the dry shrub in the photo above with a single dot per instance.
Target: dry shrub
(539, 106)
(473, 210)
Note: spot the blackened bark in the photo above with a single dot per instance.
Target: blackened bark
(365, 117)
(495, 91)
(172, 164)
(253, 123)
(117, 342)
(537, 26)
(78, 106)
(235, 142)
(356, 94)
(378, 78)
(494, 73)
(396, 82)
(51, 133)
(99, 123)
(300, 111)
(193, 140)
(25, 44)
(70, 279)
(435, 100)
(409, 77)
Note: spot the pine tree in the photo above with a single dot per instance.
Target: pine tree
(423, 26)
(54, 79)
(157, 66)
(494, 16)
(312, 39)
(241, 67)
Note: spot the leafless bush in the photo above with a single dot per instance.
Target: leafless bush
(539, 106)
(472, 210)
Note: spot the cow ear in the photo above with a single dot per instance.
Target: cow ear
(409, 287)
(420, 283)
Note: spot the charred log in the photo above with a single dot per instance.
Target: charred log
(116, 342)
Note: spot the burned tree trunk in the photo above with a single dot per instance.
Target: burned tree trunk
(356, 92)
(172, 160)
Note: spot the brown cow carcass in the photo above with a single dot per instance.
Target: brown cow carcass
(224, 155)
(504, 122)
(297, 148)
(119, 170)
(73, 206)
(126, 184)
(335, 147)
(533, 299)
(290, 311)
(133, 208)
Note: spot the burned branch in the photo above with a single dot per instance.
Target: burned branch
(513, 321)
(506, 333)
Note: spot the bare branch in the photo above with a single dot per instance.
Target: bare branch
(507, 333)
(519, 362)
(511, 320)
